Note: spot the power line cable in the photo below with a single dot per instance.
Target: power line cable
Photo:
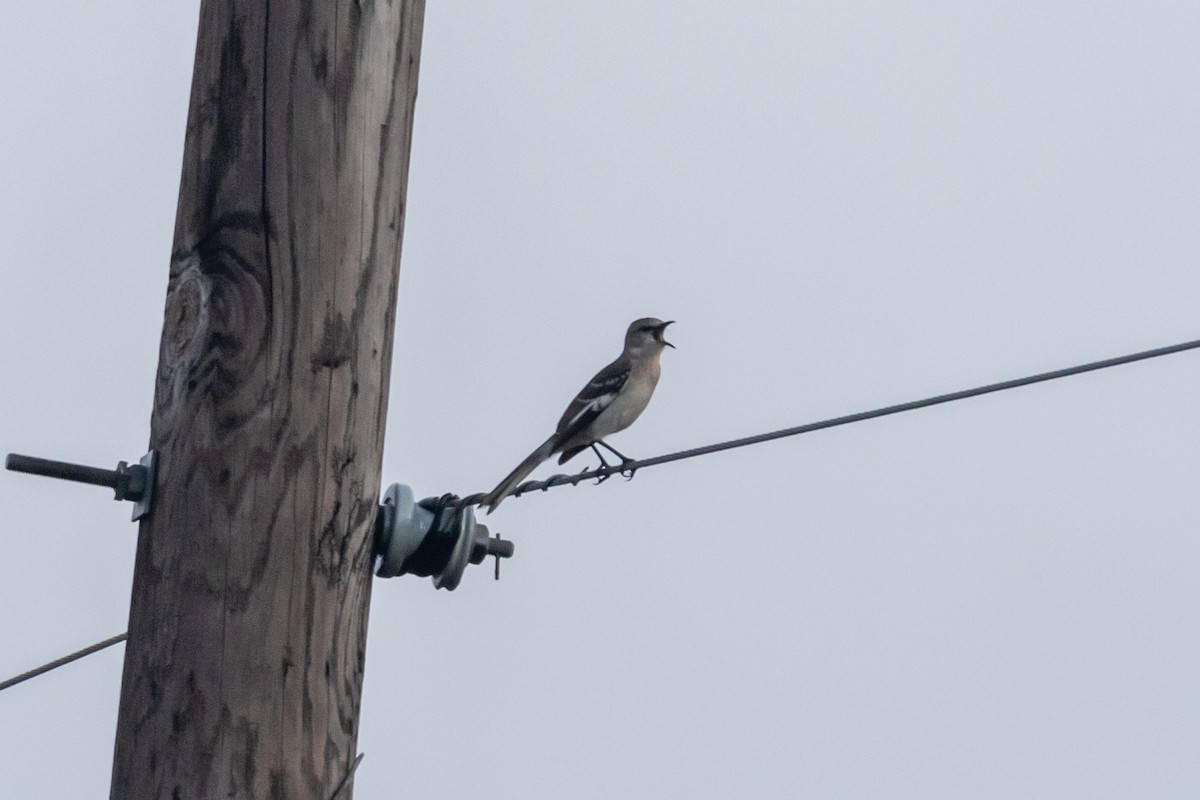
(87, 651)
(632, 466)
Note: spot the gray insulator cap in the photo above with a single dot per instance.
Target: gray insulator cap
(402, 527)
(408, 544)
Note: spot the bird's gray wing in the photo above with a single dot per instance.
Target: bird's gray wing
(593, 399)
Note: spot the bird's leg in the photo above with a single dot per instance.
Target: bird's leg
(624, 458)
(604, 464)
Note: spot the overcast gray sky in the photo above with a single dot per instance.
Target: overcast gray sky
(844, 205)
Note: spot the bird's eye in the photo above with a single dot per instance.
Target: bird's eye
(645, 328)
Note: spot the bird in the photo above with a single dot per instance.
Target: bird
(610, 402)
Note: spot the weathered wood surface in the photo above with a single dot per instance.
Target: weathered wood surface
(247, 630)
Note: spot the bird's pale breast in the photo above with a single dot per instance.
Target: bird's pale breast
(627, 406)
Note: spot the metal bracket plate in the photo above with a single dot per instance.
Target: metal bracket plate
(143, 505)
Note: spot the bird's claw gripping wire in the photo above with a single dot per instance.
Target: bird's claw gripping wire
(625, 470)
(603, 464)
(588, 472)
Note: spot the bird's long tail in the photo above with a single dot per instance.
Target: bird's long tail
(506, 486)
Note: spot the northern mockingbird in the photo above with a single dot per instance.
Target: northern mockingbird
(609, 403)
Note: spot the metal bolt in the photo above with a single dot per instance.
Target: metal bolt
(500, 548)
(128, 481)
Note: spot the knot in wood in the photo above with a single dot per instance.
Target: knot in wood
(186, 325)
(214, 334)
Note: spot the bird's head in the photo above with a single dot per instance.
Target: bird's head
(645, 336)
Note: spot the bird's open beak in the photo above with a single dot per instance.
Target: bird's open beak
(658, 333)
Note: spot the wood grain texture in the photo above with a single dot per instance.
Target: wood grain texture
(247, 631)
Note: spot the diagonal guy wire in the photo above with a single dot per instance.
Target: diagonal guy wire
(345, 781)
(87, 651)
(633, 466)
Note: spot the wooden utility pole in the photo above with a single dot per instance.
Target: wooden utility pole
(247, 632)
